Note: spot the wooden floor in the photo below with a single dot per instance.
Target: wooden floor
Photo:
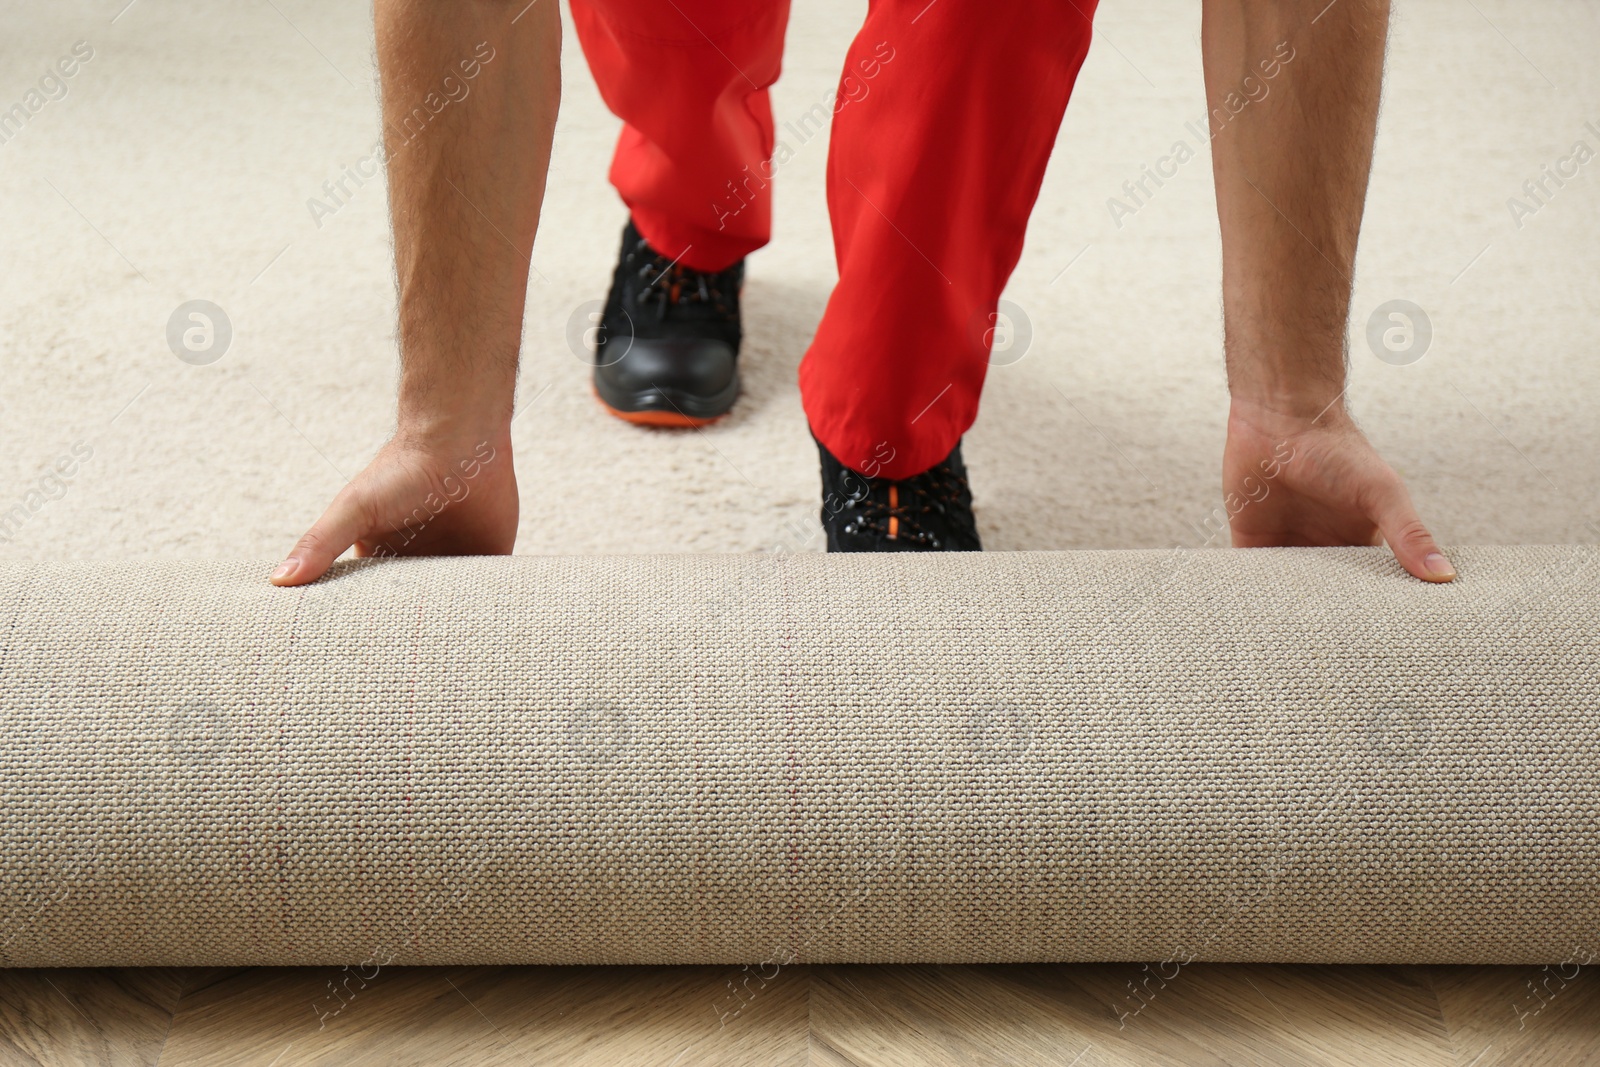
(1067, 1015)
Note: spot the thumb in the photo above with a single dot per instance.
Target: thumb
(327, 539)
(1413, 546)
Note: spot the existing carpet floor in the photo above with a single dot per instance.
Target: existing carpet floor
(179, 164)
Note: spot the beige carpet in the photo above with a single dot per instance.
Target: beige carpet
(180, 160)
(1284, 755)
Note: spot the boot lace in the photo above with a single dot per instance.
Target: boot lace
(669, 284)
(899, 510)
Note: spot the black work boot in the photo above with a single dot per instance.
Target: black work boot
(928, 512)
(668, 345)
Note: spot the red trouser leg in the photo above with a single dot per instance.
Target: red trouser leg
(689, 79)
(951, 111)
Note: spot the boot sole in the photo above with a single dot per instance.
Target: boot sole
(656, 408)
(655, 416)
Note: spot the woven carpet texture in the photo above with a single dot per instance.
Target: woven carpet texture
(1278, 754)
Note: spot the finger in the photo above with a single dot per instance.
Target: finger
(328, 537)
(1408, 538)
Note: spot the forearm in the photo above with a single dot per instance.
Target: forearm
(1291, 170)
(470, 92)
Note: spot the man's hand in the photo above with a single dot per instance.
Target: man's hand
(466, 182)
(1309, 480)
(420, 496)
(1294, 109)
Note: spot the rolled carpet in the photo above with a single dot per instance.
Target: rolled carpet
(1276, 754)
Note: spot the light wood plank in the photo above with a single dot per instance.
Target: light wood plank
(1114, 1014)
(323, 1015)
(1521, 1015)
(490, 1015)
(1101, 1015)
(648, 1015)
(111, 1017)
(868, 1015)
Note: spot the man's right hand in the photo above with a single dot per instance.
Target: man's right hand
(420, 496)
(465, 189)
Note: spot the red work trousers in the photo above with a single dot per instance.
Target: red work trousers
(942, 124)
